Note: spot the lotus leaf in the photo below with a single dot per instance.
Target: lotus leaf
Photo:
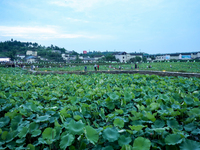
(110, 134)
(91, 134)
(123, 140)
(4, 134)
(127, 147)
(190, 127)
(173, 139)
(150, 116)
(154, 106)
(76, 128)
(195, 132)
(66, 141)
(4, 121)
(137, 127)
(118, 123)
(33, 126)
(23, 132)
(158, 124)
(49, 135)
(10, 136)
(31, 147)
(108, 148)
(141, 143)
(20, 140)
(36, 133)
(172, 123)
(113, 96)
(188, 100)
(42, 118)
(190, 145)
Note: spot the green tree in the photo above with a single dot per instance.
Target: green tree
(144, 59)
(138, 59)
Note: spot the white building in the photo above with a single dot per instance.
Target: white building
(21, 56)
(125, 57)
(32, 53)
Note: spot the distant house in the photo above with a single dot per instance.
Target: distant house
(31, 59)
(121, 56)
(89, 60)
(32, 53)
(22, 56)
(4, 59)
(125, 57)
(175, 56)
(98, 57)
(56, 51)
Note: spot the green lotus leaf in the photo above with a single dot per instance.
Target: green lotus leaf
(159, 124)
(4, 134)
(137, 127)
(160, 130)
(31, 147)
(172, 123)
(36, 133)
(12, 114)
(127, 96)
(108, 148)
(119, 111)
(194, 112)
(77, 117)
(164, 97)
(0, 131)
(4, 121)
(23, 132)
(110, 134)
(66, 141)
(33, 107)
(127, 147)
(49, 134)
(150, 116)
(173, 139)
(154, 106)
(17, 119)
(19, 141)
(33, 126)
(10, 136)
(118, 123)
(188, 100)
(113, 96)
(190, 127)
(141, 143)
(91, 134)
(11, 145)
(123, 140)
(76, 128)
(42, 118)
(110, 105)
(190, 145)
(196, 132)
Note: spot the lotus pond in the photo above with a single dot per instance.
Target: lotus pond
(98, 112)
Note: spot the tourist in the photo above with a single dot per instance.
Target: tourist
(95, 67)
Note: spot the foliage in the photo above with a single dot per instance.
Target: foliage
(98, 111)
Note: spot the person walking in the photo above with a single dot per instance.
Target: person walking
(85, 68)
(95, 67)
(98, 67)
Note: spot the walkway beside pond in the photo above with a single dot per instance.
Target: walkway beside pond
(160, 73)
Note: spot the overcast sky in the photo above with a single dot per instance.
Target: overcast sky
(151, 26)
